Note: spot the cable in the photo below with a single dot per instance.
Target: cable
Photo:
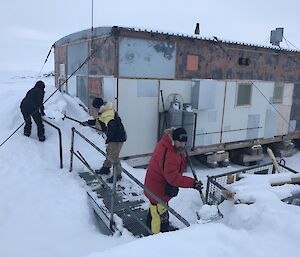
(270, 103)
(222, 48)
(291, 44)
(258, 88)
(287, 43)
(46, 59)
(39, 106)
(80, 66)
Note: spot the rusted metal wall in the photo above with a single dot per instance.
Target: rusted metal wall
(197, 58)
(218, 60)
(95, 90)
(212, 59)
(103, 61)
(60, 57)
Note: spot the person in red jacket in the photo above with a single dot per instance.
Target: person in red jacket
(164, 176)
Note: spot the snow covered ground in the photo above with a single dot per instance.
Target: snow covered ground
(44, 210)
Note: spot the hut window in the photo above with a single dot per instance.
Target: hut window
(278, 93)
(244, 91)
(192, 62)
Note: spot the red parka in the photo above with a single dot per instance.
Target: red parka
(174, 165)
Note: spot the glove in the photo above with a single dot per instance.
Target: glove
(198, 185)
(84, 123)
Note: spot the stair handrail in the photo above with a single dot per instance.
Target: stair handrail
(159, 200)
(60, 141)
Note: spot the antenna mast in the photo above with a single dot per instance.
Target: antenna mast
(92, 29)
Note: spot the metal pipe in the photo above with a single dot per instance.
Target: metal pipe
(60, 141)
(207, 189)
(92, 144)
(224, 131)
(242, 170)
(113, 196)
(100, 180)
(195, 176)
(289, 169)
(72, 149)
(195, 127)
(78, 121)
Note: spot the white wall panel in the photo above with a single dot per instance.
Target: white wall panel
(71, 86)
(209, 119)
(238, 118)
(171, 87)
(277, 122)
(140, 118)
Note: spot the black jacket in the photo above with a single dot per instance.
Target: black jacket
(114, 130)
(33, 101)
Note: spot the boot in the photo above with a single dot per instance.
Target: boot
(27, 133)
(103, 171)
(111, 179)
(42, 138)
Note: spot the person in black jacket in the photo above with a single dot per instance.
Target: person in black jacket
(32, 106)
(111, 125)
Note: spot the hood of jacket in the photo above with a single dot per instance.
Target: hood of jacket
(106, 113)
(167, 140)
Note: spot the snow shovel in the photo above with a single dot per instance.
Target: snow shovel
(195, 177)
(207, 213)
(78, 121)
(273, 158)
(69, 118)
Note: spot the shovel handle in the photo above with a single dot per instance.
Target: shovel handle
(195, 176)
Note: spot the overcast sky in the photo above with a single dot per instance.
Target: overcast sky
(29, 28)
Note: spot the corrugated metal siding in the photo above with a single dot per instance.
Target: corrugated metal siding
(84, 35)
(221, 61)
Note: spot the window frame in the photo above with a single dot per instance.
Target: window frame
(238, 91)
(277, 100)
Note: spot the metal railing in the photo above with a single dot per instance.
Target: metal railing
(216, 185)
(60, 141)
(113, 190)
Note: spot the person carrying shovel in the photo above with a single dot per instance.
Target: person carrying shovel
(111, 124)
(164, 177)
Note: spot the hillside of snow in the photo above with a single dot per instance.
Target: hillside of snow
(44, 210)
